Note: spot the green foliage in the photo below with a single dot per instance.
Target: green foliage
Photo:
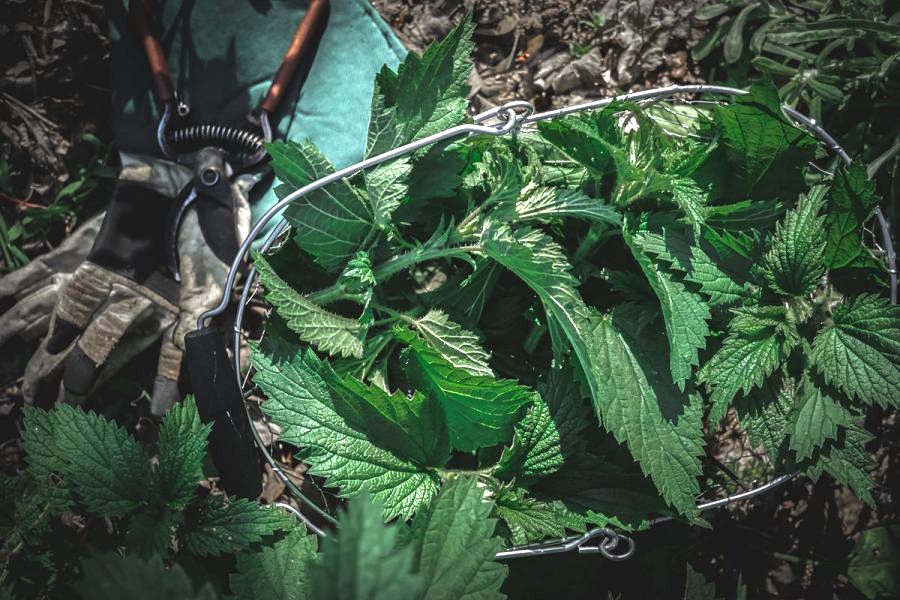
(718, 254)
(875, 562)
(81, 464)
(838, 62)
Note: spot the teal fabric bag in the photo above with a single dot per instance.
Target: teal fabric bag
(222, 55)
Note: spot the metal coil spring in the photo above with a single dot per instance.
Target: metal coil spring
(231, 138)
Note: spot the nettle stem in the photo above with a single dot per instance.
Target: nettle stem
(391, 267)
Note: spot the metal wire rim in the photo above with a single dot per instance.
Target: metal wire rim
(511, 116)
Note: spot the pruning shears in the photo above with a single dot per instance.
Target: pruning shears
(216, 154)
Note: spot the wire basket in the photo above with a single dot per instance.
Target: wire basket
(672, 108)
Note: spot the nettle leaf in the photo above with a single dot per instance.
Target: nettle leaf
(540, 262)
(150, 534)
(766, 151)
(765, 413)
(110, 576)
(858, 351)
(794, 263)
(427, 94)
(413, 428)
(581, 137)
(386, 186)
(674, 243)
(44, 459)
(221, 525)
(638, 403)
(499, 170)
(326, 330)
(466, 300)
(454, 546)
(106, 466)
(544, 204)
(329, 223)
(817, 419)
(182, 448)
(847, 460)
(684, 312)
(458, 346)
(548, 433)
(851, 201)
(530, 520)
(280, 572)
(758, 341)
(480, 410)
(691, 199)
(364, 560)
(301, 403)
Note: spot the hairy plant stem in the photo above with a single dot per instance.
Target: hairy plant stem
(391, 267)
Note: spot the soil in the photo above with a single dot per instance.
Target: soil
(792, 543)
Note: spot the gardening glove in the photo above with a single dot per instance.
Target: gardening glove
(122, 298)
(28, 295)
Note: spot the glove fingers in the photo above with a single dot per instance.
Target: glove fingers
(165, 387)
(30, 317)
(124, 309)
(82, 295)
(43, 374)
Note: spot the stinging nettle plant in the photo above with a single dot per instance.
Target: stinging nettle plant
(568, 314)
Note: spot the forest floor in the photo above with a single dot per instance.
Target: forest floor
(55, 170)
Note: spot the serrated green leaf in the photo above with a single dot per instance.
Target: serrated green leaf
(151, 534)
(874, 564)
(300, 402)
(480, 411)
(685, 314)
(112, 577)
(221, 526)
(581, 138)
(757, 137)
(543, 204)
(765, 414)
(454, 547)
(427, 94)
(414, 428)
(850, 202)
(548, 433)
(696, 587)
(106, 466)
(327, 331)
(329, 223)
(640, 406)
(279, 572)
(816, 419)
(692, 200)
(466, 300)
(847, 460)
(673, 243)
(364, 561)
(605, 491)
(386, 186)
(182, 447)
(456, 345)
(794, 263)
(540, 262)
(859, 350)
(530, 520)
(44, 459)
(500, 172)
(754, 347)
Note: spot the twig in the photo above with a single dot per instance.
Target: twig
(21, 203)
